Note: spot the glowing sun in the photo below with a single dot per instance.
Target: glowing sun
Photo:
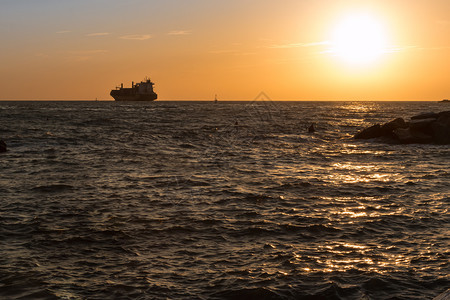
(358, 39)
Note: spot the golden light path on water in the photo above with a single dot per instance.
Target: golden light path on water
(342, 256)
(372, 257)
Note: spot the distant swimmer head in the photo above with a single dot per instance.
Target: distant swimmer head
(2, 146)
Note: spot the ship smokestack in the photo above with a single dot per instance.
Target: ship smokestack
(121, 85)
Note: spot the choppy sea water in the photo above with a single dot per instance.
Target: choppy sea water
(233, 200)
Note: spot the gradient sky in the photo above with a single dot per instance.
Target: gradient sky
(194, 49)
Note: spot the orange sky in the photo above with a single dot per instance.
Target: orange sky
(194, 49)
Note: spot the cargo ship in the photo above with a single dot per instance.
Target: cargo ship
(142, 91)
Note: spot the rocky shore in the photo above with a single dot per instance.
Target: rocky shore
(426, 128)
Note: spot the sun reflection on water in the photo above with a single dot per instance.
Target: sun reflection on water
(353, 214)
(360, 107)
(343, 257)
(359, 173)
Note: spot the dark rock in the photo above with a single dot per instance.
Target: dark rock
(370, 133)
(444, 114)
(426, 128)
(421, 124)
(2, 146)
(408, 136)
(426, 115)
(404, 135)
(422, 138)
(441, 128)
(444, 118)
(388, 127)
(441, 134)
(444, 296)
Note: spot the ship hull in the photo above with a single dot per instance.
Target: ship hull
(133, 97)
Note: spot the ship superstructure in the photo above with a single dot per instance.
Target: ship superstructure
(142, 91)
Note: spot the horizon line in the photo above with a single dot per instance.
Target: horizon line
(209, 100)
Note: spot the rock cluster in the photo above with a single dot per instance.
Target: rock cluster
(426, 128)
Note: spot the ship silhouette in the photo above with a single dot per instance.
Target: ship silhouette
(142, 91)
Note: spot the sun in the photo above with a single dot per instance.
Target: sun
(358, 39)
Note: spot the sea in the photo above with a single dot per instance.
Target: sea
(226, 200)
